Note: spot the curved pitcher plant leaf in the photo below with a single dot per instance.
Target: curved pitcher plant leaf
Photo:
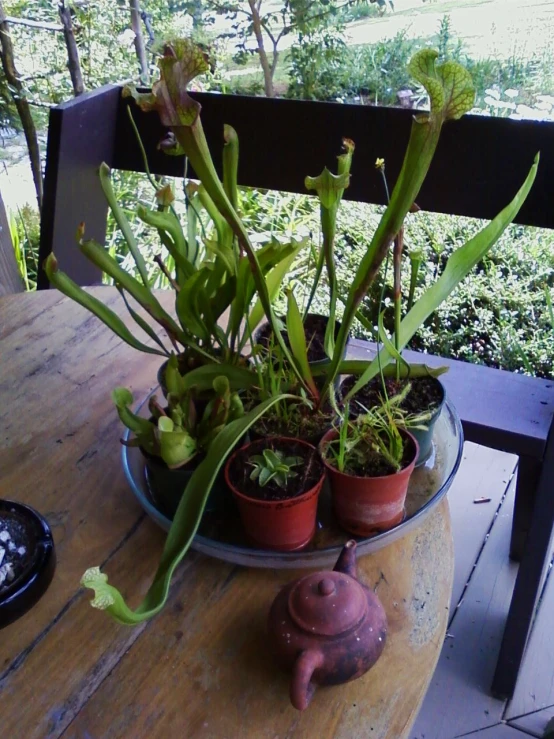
(142, 428)
(183, 528)
(144, 296)
(451, 94)
(181, 62)
(359, 366)
(65, 285)
(139, 320)
(105, 176)
(330, 189)
(297, 339)
(458, 266)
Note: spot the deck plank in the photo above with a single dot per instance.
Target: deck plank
(483, 473)
(534, 723)
(498, 731)
(535, 687)
(458, 699)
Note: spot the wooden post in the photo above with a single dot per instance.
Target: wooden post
(21, 103)
(73, 63)
(81, 135)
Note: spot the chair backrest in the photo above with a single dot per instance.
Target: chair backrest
(10, 279)
(479, 165)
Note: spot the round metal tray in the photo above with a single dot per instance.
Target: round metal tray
(220, 532)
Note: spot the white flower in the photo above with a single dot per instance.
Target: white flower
(511, 93)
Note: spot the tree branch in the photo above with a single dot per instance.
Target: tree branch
(21, 103)
(73, 63)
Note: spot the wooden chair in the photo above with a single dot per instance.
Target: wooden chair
(10, 279)
(478, 167)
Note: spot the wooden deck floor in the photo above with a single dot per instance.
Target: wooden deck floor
(458, 703)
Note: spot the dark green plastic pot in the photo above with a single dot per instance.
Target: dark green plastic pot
(425, 438)
(167, 486)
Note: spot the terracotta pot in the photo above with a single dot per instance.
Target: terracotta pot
(364, 506)
(281, 525)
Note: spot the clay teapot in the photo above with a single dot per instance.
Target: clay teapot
(327, 627)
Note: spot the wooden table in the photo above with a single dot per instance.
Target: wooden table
(201, 668)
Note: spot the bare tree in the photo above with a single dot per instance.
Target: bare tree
(73, 63)
(140, 47)
(21, 103)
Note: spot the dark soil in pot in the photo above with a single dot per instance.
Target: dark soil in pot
(374, 465)
(308, 475)
(314, 327)
(311, 425)
(427, 393)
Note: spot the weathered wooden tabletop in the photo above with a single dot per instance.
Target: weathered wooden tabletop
(201, 668)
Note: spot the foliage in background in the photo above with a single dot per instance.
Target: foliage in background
(512, 332)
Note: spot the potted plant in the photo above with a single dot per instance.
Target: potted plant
(276, 484)
(369, 460)
(451, 94)
(175, 439)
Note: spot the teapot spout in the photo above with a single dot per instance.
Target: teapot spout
(347, 559)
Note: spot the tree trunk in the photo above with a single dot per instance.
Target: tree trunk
(23, 109)
(73, 63)
(264, 61)
(139, 41)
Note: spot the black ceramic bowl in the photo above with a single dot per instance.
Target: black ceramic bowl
(33, 568)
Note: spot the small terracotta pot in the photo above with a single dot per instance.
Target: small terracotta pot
(364, 506)
(281, 525)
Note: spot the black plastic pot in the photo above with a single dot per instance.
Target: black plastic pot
(37, 567)
(167, 486)
(263, 334)
(425, 438)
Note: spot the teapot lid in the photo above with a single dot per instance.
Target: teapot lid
(327, 603)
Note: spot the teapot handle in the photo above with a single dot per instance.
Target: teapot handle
(301, 687)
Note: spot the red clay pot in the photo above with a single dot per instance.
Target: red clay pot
(364, 506)
(281, 525)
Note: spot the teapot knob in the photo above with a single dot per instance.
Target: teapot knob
(326, 586)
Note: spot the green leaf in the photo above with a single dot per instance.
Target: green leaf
(448, 86)
(141, 427)
(187, 307)
(104, 174)
(359, 366)
(139, 320)
(459, 265)
(165, 424)
(297, 339)
(176, 447)
(167, 223)
(328, 186)
(202, 378)
(182, 61)
(142, 294)
(274, 279)
(392, 350)
(69, 288)
(231, 164)
(183, 529)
